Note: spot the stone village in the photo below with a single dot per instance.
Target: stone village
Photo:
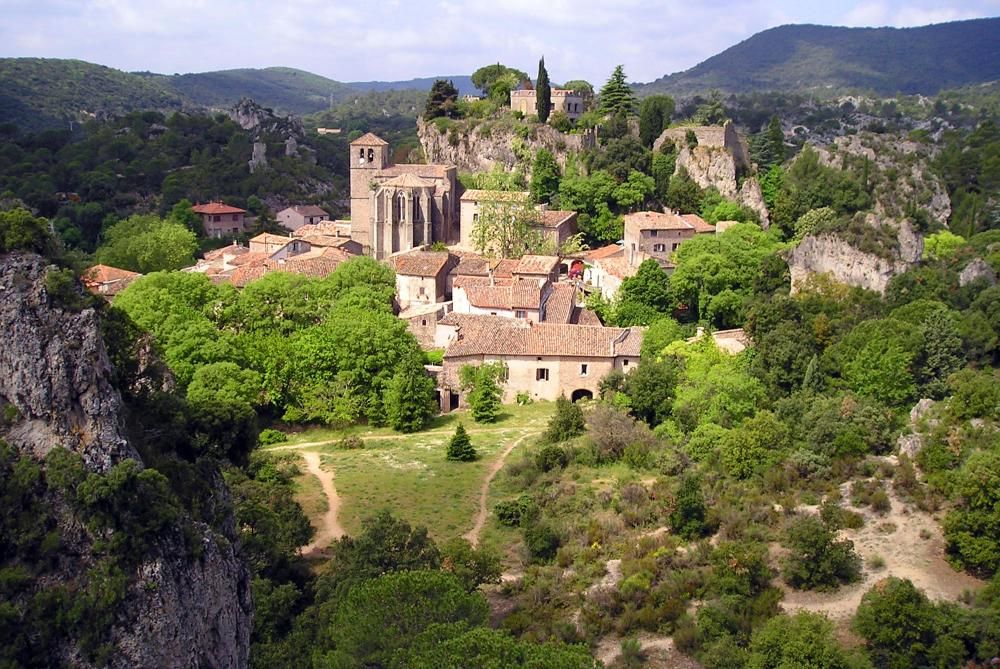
(527, 312)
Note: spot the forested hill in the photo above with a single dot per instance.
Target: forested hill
(463, 83)
(44, 93)
(922, 60)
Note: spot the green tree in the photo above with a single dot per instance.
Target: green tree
(508, 226)
(584, 88)
(817, 561)
(755, 445)
(544, 176)
(942, 245)
(647, 288)
(222, 398)
(566, 423)
(147, 243)
(655, 112)
(683, 194)
(804, 640)
(712, 111)
(485, 78)
(897, 622)
(460, 446)
(687, 519)
(543, 92)
(442, 100)
(409, 400)
(472, 566)
(972, 529)
(616, 97)
(183, 213)
(483, 385)
(661, 332)
(650, 388)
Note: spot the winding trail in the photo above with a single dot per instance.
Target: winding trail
(473, 535)
(330, 529)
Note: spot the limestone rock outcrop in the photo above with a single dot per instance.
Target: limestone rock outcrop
(187, 600)
(265, 126)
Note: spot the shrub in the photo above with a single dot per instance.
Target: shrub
(817, 561)
(551, 457)
(351, 442)
(541, 540)
(460, 446)
(523, 399)
(566, 423)
(514, 512)
(271, 436)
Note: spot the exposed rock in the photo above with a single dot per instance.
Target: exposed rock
(977, 270)
(291, 147)
(259, 120)
(489, 144)
(55, 371)
(259, 157)
(829, 254)
(183, 608)
(912, 443)
(719, 160)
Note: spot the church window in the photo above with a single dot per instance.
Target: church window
(361, 154)
(371, 155)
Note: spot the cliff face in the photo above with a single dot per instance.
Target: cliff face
(488, 144)
(719, 159)
(829, 254)
(187, 599)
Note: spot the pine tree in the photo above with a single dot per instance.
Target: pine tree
(775, 142)
(460, 446)
(566, 423)
(544, 176)
(543, 92)
(616, 96)
(441, 100)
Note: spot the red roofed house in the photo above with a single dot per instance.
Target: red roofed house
(221, 220)
(658, 234)
(293, 218)
(543, 359)
(422, 277)
(107, 281)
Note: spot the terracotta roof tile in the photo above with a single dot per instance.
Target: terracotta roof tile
(560, 303)
(604, 252)
(698, 223)
(308, 210)
(537, 265)
(421, 263)
(107, 280)
(617, 266)
(370, 139)
(517, 295)
(514, 337)
(332, 228)
(408, 180)
(553, 218)
(584, 316)
(424, 171)
(216, 208)
(656, 220)
(505, 268)
(232, 249)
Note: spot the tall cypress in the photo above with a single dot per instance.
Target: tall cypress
(543, 92)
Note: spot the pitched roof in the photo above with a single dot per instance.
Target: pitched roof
(584, 316)
(505, 268)
(307, 210)
(408, 180)
(476, 195)
(536, 264)
(617, 266)
(560, 303)
(107, 273)
(216, 208)
(420, 263)
(322, 228)
(515, 295)
(270, 238)
(657, 220)
(604, 252)
(370, 139)
(232, 249)
(699, 224)
(425, 171)
(505, 336)
(553, 218)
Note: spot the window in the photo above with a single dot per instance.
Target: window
(659, 248)
(673, 247)
(542, 374)
(371, 155)
(423, 321)
(625, 362)
(217, 219)
(583, 369)
(234, 217)
(475, 217)
(361, 154)
(422, 291)
(654, 233)
(520, 313)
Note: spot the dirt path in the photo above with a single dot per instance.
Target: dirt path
(330, 529)
(384, 437)
(473, 535)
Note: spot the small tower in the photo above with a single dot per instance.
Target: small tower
(369, 155)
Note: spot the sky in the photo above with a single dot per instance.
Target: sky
(392, 40)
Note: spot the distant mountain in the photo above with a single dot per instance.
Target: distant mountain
(886, 61)
(284, 89)
(41, 93)
(463, 83)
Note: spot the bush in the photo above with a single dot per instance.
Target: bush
(542, 541)
(566, 423)
(551, 457)
(514, 512)
(351, 442)
(523, 399)
(271, 436)
(817, 561)
(460, 446)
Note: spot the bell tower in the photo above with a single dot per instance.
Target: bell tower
(369, 155)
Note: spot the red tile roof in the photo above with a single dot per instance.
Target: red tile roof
(424, 171)
(232, 249)
(107, 280)
(560, 303)
(216, 208)
(604, 252)
(698, 223)
(553, 218)
(421, 263)
(656, 220)
(519, 295)
(370, 139)
(584, 316)
(514, 337)
(536, 265)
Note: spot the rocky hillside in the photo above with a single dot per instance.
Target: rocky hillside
(717, 157)
(105, 565)
(886, 61)
(480, 146)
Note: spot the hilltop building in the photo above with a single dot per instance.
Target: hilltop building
(563, 100)
(654, 234)
(397, 208)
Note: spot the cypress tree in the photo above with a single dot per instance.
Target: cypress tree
(543, 92)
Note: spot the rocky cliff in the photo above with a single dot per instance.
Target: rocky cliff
(266, 127)
(717, 157)
(835, 256)
(481, 146)
(184, 600)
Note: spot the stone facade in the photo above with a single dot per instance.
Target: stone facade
(396, 208)
(652, 234)
(422, 277)
(562, 100)
(220, 220)
(293, 218)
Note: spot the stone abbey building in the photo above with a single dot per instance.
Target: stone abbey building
(397, 208)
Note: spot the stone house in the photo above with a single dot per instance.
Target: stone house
(537, 268)
(107, 281)
(556, 226)
(399, 207)
(566, 101)
(422, 277)
(294, 217)
(278, 247)
(653, 234)
(506, 298)
(543, 360)
(329, 234)
(221, 220)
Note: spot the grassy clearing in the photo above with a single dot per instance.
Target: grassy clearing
(409, 474)
(310, 495)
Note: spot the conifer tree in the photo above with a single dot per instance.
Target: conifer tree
(460, 446)
(616, 96)
(543, 92)
(566, 423)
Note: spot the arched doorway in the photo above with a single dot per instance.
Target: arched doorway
(581, 394)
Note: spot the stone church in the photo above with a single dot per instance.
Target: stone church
(396, 208)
